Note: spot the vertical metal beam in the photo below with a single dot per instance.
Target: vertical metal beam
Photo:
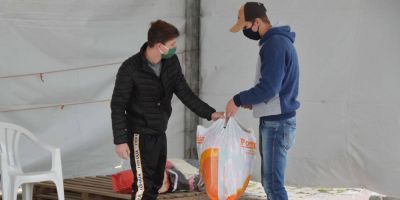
(192, 66)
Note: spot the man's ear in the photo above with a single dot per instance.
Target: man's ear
(158, 45)
(258, 21)
(256, 25)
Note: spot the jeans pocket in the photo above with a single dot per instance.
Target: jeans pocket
(289, 133)
(271, 125)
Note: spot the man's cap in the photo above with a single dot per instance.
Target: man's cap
(247, 13)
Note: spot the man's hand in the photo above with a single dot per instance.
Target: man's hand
(217, 115)
(249, 107)
(231, 109)
(122, 150)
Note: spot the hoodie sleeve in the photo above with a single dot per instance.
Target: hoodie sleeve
(272, 73)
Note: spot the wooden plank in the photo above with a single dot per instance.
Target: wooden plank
(85, 196)
(98, 179)
(91, 190)
(93, 181)
(46, 196)
(54, 196)
(100, 188)
(98, 192)
(184, 195)
(89, 184)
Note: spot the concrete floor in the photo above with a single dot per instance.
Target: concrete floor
(305, 193)
(256, 192)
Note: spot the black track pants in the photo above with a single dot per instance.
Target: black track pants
(148, 157)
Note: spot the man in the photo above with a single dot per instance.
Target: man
(141, 107)
(273, 98)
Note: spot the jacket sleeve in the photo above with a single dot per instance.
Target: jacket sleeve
(186, 95)
(120, 97)
(272, 73)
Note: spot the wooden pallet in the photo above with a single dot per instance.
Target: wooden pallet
(98, 188)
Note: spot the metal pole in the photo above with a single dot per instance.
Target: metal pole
(192, 65)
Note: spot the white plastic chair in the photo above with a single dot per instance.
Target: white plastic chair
(12, 175)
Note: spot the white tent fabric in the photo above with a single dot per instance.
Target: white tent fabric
(52, 36)
(349, 51)
(348, 125)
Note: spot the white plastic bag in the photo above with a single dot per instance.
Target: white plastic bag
(226, 156)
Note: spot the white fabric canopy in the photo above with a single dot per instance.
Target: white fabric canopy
(54, 36)
(349, 52)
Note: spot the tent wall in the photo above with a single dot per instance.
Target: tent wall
(46, 36)
(349, 121)
(348, 125)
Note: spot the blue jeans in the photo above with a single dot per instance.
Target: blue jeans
(276, 138)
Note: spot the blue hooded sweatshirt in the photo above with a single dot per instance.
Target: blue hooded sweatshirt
(274, 96)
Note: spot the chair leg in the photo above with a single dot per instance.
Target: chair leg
(6, 190)
(27, 191)
(60, 189)
(14, 192)
(5, 194)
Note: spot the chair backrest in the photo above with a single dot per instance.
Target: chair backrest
(10, 135)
